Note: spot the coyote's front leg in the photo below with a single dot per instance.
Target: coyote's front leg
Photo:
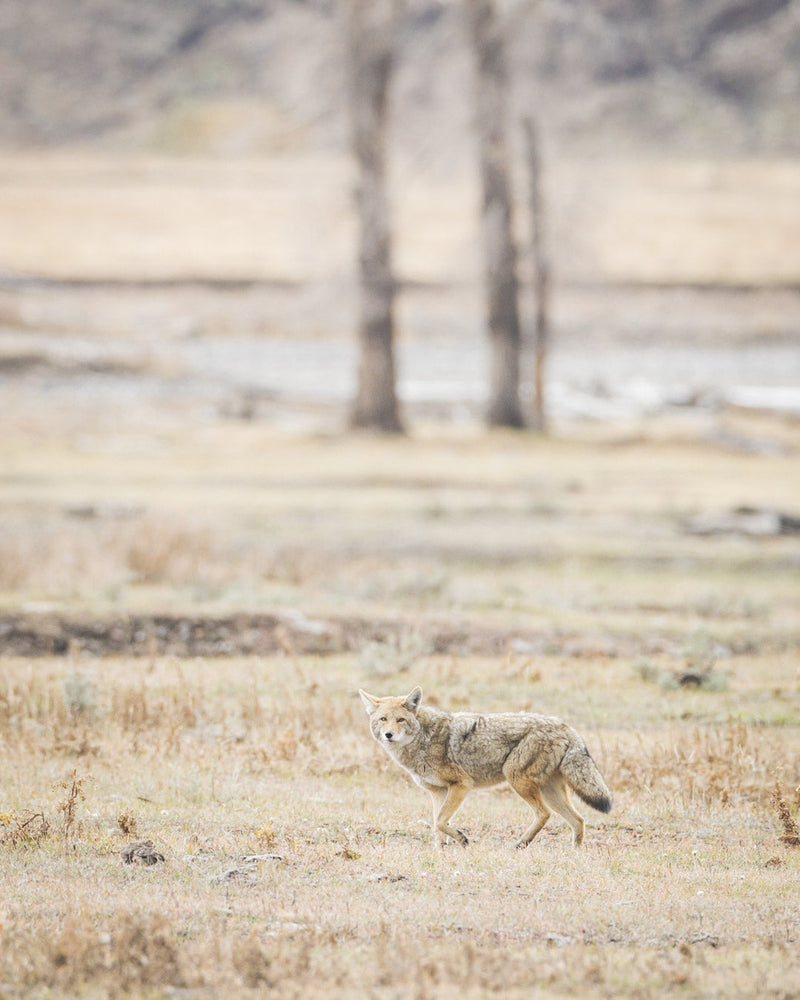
(445, 803)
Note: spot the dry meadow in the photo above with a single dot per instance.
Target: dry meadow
(191, 596)
(297, 860)
(499, 572)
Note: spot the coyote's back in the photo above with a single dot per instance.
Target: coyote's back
(450, 753)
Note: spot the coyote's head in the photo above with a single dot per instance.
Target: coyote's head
(393, 721)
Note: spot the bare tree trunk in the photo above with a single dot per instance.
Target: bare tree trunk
(498, 244)
(370, 38)
(541, 275)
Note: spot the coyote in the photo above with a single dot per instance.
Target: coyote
(450, 753)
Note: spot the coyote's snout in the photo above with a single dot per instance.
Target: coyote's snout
(450, 753)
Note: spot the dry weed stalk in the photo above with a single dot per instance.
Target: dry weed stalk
(28, 830)
(73, 786)
(791, 831)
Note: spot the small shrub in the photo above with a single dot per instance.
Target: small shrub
(28, 829)
(265, 835)
(80, 695)
(394, 655)
(73, 786)
(127, 824)
(646, 671)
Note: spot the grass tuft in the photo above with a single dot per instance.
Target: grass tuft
(127, 824)
(80, 694)
(394, 655)
(721, 764)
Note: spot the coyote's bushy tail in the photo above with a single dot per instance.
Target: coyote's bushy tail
(583, 777)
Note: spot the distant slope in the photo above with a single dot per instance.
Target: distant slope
(253, 76)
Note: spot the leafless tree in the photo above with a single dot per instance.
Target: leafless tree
(500, 256)
(540, 266)
(370, 30)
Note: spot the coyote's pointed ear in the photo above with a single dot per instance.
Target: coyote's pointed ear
(370, 703)
(413, 700)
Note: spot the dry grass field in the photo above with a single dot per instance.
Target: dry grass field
(498, 571)
(190, 598)
(686, 889)
(291, 218)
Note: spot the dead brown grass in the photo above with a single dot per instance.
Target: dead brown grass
(107, 553)
(265, 768)
(25, 829)
(724, 764)
(791, 831)
(668, 221)
(74, 794)
(298, 859)
(135, 953)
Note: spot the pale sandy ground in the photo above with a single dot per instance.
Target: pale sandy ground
(290, 219)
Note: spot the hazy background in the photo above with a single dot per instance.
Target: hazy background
(176, 205)
(199, 567)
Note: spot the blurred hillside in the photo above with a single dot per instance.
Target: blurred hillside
(258, 76)
(176, 196)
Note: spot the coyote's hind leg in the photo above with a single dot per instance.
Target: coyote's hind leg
(529, 791)
(555, 795)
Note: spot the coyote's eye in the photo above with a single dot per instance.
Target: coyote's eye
(382, 718)
(402, 722)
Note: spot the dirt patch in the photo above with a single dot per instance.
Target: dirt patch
(141, 635)
(263, 634)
